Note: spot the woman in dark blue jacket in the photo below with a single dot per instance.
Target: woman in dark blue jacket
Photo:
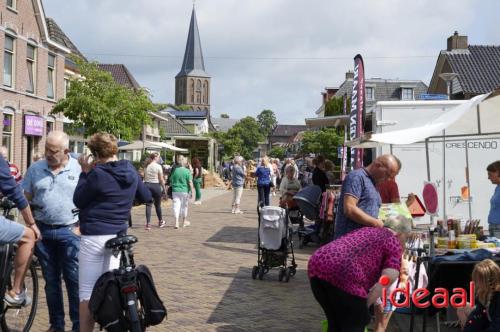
(105, 193)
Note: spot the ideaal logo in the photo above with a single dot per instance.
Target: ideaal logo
(419, 297)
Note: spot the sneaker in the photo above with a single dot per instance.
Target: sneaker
(162, 223)
(232, 211)
(197, 203)
(186, 223)
(21, 299)
(238, 211)
(176, 225)
(148, 227)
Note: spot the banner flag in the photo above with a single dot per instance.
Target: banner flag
(357, 110)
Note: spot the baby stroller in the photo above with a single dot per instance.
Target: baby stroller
(294, 214)
(274, 244)
(313, 204)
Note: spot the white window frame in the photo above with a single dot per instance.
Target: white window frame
(31, 62)
(51, 71)
(13, 6)
(8, 112)
(12, 54)
(67, 84)
(368, 96)
(404, 96)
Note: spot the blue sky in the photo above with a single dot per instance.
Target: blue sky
(273, 54)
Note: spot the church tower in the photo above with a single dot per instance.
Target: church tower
(192, 83)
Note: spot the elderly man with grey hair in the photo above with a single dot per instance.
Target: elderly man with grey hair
(49, 184)
(345, 274)
(238, 179)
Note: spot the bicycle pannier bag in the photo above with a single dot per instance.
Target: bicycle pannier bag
(105, 304)
(154, 310)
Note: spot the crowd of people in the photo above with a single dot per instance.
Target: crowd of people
(343, 274)
(70, 245)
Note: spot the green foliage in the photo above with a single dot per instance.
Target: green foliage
(243, 138)
(335, 106)
(267, 121)
(325, 142)
(184, 107)
(277, 152)
(97, 103)
(224, 116)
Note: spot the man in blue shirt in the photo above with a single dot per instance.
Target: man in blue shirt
(359, 199)
(12, 232)
(49, 184)
(494, 215)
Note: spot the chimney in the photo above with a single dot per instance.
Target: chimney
(349, 75)
(457, 42)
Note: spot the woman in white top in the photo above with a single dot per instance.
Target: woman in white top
(154, 180)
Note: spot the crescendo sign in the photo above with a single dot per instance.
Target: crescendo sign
(473, 145)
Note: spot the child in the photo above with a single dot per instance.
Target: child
(485, 316)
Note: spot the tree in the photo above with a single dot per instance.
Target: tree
(242, 138)
(277, 152)
(335, 106)
(267, 121)
(95, 102)
(224, 116)
(324, 142)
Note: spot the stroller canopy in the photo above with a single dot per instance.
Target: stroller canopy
(308, 200)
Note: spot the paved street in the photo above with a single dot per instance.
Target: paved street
(203, 273)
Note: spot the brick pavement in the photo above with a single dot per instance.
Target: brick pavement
(203, 273)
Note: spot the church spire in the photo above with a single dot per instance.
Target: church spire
(193, 64)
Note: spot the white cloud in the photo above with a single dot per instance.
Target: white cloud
(278, 29)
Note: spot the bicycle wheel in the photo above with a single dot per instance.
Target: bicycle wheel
(20, 318)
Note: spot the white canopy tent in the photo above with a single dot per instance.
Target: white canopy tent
(145, 145)
(476, 119)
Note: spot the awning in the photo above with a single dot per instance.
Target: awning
(476, 116)
(140, 145)
(327, 121)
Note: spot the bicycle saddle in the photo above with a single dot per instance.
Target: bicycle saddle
(121, 240)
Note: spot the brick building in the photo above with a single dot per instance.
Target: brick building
(33, 79)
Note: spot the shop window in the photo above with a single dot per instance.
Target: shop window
(7, 132)
(8, 61)
(50, 126)
(31, 67)
(51, 67)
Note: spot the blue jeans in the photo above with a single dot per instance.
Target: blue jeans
(58, 255)
(263, 191)
(494, 230)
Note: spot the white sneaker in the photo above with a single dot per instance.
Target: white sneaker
(274, 194)
(186, 223)
(21, 299)
(238, 211)
(176, 225)
(232, 211)
(197, 203)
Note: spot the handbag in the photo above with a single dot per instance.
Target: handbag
(169, 192)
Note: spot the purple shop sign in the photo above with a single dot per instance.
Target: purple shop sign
(33, 125)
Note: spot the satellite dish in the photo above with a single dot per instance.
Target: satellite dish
(430, 196)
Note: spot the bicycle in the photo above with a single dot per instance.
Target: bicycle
(127, 278)
(15, 318)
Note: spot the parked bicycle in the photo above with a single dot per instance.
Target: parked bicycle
(17, 318)
(127, 280)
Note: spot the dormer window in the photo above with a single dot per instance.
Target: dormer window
(370, 94)
(407, 94)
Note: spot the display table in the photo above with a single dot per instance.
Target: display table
(448, 274)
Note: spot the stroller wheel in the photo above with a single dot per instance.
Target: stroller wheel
(288, 273)
(292, 271)
(255, 271)
(281, 274)
(261, 273)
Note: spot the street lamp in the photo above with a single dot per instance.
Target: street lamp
(448, 78)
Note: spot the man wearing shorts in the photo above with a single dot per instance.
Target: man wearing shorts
(12, 232)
